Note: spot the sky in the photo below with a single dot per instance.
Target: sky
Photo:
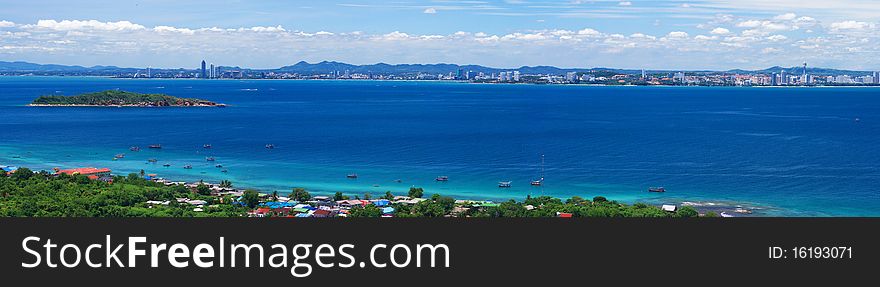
(687, 34)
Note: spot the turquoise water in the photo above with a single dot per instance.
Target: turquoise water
(788, 151)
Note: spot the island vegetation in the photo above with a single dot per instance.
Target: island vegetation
(116, 98)
(25, 193)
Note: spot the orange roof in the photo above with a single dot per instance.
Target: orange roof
(84, 171)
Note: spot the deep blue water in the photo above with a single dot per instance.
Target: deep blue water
(790, 151)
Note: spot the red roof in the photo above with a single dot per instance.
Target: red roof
(565, 215)
(84, 171)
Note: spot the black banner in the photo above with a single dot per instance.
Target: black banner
(625, 251)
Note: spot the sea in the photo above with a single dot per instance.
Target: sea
(806, 151)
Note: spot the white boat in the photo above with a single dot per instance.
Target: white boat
(504, 184)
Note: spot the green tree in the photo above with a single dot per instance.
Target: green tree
(250, 198)
(225, 184)
(416, 192)
(300, 194)
(388, 195)
(366, 211)
(22, 174)
(687, 211)
(338, 196)
(600, 199)
(203, 189)
(367, 196)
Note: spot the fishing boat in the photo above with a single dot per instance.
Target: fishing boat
(539, 182)
(134, 148)
(210, 158)
(155, 146)
(218, 166)
(224, 170)
(187, 167)
(442, 178)
(504, 184)
(270, 146)
(166, 165)
(398, 180)
(152, 160)
(656, 189)
(352, 175)
(121, 155)
(206, 146)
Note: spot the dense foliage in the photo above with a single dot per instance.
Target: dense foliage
(25, 193)
(117, 98)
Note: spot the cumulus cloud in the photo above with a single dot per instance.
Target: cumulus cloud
(786, 16)
(6, 24)
(720, 31)
(430, 11)
(851, 26)
(70, 25)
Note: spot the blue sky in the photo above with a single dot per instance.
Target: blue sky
(699, 34)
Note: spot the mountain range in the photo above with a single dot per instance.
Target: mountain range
(325, 67)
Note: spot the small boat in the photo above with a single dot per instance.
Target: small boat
(155, 146)
(224, 170)
(375, 185)
(504, 184)
(218, 166)
(121, 155)
(352, 175)
(270, 146)
(134, 148)
(442, 178)
(656, 189)
(539, 182)
(187, 167)
(152, 160)
(398, 180)
(724, 214)
(206, 146)
(210, 158)
(166, 165)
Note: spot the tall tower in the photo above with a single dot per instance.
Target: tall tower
(204, 72)
(213, 75)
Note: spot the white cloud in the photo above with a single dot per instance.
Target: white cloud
(776, 38)
(720, 31)
(430, 11)
(169, 29)
(705, 38)
(677, 35)
(589, 32)
(625, 3)
(6, 24)
(68, 25)
(851, 25)
(786, 16)
(749, 24)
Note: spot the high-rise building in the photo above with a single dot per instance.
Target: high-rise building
(774, 79)
(876, 77)
(516, 76)
(204, 72)
(211, 72)
(459, 75)
(782, 78)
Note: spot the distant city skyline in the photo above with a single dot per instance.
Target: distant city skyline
(670, 35)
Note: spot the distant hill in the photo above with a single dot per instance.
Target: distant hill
(327, 67)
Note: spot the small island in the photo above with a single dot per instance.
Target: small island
(116, 98)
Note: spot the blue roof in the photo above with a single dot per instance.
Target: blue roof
(388, 210)
(381, 202)
(302, 215)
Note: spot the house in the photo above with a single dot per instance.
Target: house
(323, 213)
(388, 210)
(669, 208)
(349, 203)
(87, 171)
(564, 214)
(321, 198)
